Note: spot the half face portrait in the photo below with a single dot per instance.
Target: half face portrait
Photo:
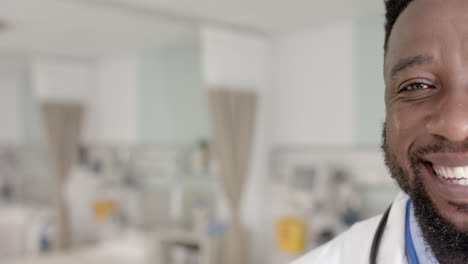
(425, 136)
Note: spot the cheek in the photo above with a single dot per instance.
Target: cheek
(395, 139)
(399, 128)
(403, 127)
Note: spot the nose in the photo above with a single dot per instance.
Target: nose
(450, 117)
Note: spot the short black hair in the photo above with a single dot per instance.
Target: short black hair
(393, 8)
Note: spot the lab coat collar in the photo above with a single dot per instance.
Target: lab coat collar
(354, 245)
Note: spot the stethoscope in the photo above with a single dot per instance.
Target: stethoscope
(378, 237)
(379, 233)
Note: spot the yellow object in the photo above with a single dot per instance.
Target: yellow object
(103, 209)
(291, 235)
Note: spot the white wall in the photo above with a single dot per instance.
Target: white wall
(62, 79)
(236, 59)
(314, 81)
(116, 100)
(370, 87)
(173, 103)
(13, 72)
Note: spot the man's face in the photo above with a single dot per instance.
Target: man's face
(426, 78)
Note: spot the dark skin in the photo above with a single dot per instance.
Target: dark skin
(426, 97)
(426, 129)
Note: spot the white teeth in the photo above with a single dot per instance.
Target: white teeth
(451, 173)
(459, 172)
(446, 173)
(454, 175)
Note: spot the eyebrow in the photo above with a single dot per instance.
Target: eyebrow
(409, 62)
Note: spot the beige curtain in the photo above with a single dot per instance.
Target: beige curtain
(233, 117)
(62, 125)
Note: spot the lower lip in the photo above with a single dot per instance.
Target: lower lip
(449, 190)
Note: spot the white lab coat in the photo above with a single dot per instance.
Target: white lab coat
(354, 245)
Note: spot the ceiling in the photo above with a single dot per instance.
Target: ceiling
(73, 28)
(270, 16)
(90, 28)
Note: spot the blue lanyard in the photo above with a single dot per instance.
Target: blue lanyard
(411, 252)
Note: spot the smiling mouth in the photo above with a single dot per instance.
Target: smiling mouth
(452, 175)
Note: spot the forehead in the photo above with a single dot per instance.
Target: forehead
(435, 28)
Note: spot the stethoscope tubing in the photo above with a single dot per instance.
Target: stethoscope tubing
(378, 237)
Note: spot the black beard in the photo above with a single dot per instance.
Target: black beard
(448, 244)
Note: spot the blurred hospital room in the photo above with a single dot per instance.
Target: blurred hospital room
(188, 131)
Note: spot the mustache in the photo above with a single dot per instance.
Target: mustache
(415, 155)
(443, 146)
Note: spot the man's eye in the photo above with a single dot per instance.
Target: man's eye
(415, 86)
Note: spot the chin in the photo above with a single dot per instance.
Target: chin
(454, 213)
